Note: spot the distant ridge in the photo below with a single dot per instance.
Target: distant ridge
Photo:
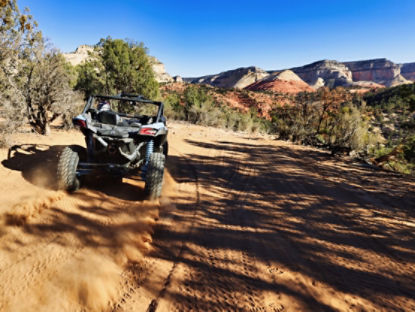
(331, 73)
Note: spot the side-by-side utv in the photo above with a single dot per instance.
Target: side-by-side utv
(125, 134)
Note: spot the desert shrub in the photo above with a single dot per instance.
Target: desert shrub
(230, 117)
(394, 111)
(409, 149)
(72, 105)
(349, 129)
(331, 118)
(172, 107)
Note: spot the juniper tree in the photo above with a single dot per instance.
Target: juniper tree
(14, 26)
(34, 82)
(45, 85)
(118, 66)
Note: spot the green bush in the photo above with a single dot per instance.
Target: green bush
(331, 118)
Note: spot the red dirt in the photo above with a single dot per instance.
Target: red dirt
(245, 224)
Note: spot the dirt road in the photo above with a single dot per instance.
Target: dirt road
(244, 224)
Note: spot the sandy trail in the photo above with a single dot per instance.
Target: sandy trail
(245, 224)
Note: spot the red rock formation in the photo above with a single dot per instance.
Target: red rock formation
(283, 82)
(281, 86)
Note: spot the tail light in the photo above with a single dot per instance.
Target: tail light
(148, 131)
(79, 121)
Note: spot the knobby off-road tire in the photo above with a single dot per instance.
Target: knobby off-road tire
(68, 162)
(154, 175)
(165, 149)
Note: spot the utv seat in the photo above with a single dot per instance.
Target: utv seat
(111, 118)
(108, 117)
(112, 125)
(113, 131)
(146, 120)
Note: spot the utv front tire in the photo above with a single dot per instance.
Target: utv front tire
(67, 165)
(154, 175)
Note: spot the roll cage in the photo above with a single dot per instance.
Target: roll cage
(132, 98)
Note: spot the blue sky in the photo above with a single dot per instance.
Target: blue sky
(194, 38)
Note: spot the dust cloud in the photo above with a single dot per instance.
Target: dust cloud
(68, 252)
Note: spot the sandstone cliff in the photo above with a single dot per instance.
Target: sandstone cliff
(408, 71)
(238, 78)
(326, 72)
(381, 71)
(160, 70)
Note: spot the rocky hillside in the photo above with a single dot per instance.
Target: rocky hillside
(325, 73)
(240, 99)
(81, 54)
(282, 82)
(238, 78)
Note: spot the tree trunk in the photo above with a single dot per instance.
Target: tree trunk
(39, 122)
(46, 129)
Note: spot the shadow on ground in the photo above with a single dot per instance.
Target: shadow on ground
(103, 213)
(343, 231)
(38, 165)
(36, 162)
(339, 229)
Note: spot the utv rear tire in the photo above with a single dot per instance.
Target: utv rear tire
(67, 165)
(154, 175)
(165, 149)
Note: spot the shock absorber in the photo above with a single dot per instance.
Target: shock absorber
(149, 151)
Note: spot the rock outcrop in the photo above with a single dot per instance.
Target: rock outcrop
(238, 78)
(381, 71)
(160, 71)
(408, 71)
(282, 82)
(326, 72)
(177, 79)
(80, 55)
